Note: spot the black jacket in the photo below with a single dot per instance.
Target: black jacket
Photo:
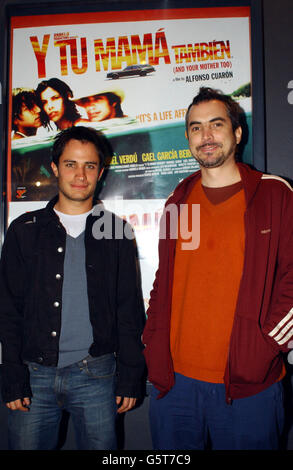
(31, 273)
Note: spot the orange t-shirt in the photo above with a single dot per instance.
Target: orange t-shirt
(205, 287)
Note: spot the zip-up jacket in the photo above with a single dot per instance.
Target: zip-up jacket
(31, 277)
(263, 320)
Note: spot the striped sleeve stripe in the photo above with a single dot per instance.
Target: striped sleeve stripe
(282, 327)
(284, 330)
(287, 337)
(278, 178)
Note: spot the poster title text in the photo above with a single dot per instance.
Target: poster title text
(114, 53)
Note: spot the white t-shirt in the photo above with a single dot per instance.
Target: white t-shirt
(73, 224)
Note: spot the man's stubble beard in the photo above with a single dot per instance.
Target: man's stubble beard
(218, 161)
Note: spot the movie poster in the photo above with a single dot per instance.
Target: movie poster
(131, 75)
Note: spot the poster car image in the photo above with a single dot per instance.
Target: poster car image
(141, 70)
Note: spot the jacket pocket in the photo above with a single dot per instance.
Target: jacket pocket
(251, 357)
(159, 362)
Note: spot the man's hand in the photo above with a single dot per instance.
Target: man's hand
(22, 405)
(126, 404)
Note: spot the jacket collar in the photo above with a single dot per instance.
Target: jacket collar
(250, 180)
(49, 215)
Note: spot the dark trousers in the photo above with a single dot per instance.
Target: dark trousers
(195, 413)
(85, 389)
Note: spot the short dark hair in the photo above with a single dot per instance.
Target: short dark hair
(20, 97)
(208, 94)
(116, 100)
(70, 111)
(82, 134)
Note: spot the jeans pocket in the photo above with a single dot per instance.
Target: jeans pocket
(101, 367)
(32, 366)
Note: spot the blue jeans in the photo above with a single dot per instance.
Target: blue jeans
(85, 389)
(195, 413)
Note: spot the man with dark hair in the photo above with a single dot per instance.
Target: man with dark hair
(25, 113)
(82, 134)
(221, 310)
(71, 311)
(209, 94)
(102, 106)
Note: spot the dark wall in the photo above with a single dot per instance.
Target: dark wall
(278, 72)
(278, 39)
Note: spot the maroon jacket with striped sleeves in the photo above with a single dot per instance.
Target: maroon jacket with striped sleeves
(263, 320)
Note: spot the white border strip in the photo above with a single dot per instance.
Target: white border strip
(288, 336)
(283, 331)
(278, 178)
(281, 323)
